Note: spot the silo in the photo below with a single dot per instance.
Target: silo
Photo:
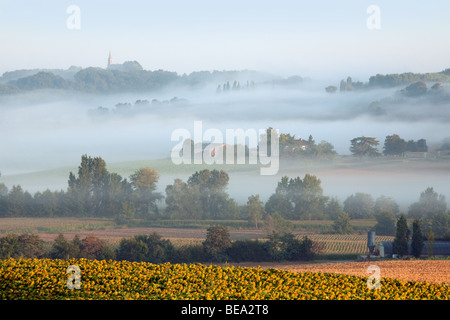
(371, 241)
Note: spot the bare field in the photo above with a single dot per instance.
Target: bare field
(115, 234)
(435, 271)
(179, 235)
(36, 225)
(49, 228)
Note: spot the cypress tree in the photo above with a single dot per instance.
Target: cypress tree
(400, 244)
(417, 239)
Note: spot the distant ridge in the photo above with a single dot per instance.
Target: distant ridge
(126, 77)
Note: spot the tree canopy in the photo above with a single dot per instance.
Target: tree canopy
(364, 147)
(430, 203)
(305, 197)
(203, 196)
(396, 146)
(97, 192)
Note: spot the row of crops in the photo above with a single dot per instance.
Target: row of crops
(52, 279)
(344, 243)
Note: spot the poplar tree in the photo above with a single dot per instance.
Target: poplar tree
(255, 209)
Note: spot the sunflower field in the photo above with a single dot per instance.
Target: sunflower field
(42, 279)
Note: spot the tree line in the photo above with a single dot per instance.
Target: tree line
(217, 247)
(126, 77)
(394, 145)
(412, 240)
(362, 147)
(413, 80)
(95, 192)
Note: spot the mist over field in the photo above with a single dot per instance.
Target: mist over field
(200, 137)
(50, 130)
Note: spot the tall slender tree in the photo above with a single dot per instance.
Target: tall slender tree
(400, 244)
(417, 239)
(144, 182)
(255, 209)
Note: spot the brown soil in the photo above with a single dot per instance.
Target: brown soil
(436, 271)
(115, 234)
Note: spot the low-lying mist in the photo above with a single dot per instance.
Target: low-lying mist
(44, 130)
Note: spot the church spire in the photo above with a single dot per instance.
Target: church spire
(109, 59)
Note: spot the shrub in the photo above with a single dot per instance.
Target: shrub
(95, 248)
(287, 247)
(62, 249)
(216, 243)
(248, 250)
(151, 248)
(193, 253)
(31, 246)
(305, 250)
(23, 246)
(132, 249)
(9, 246)
(159, 250)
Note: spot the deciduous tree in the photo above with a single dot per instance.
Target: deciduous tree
(144, 182)
(430, 203)
(216, 242)
(359, 205)
(342, 224)
(385, 223)
(394, 145)
(255, 209)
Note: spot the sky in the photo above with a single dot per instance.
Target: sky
(317, 39)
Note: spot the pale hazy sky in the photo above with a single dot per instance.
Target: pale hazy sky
(310, 38)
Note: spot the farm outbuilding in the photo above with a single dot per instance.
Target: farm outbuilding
(440, 248)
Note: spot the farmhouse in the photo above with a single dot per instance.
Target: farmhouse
(416, 155)
(439, 248)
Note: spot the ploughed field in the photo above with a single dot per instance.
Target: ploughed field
(432, 271)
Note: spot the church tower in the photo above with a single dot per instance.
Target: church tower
(109, 60)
